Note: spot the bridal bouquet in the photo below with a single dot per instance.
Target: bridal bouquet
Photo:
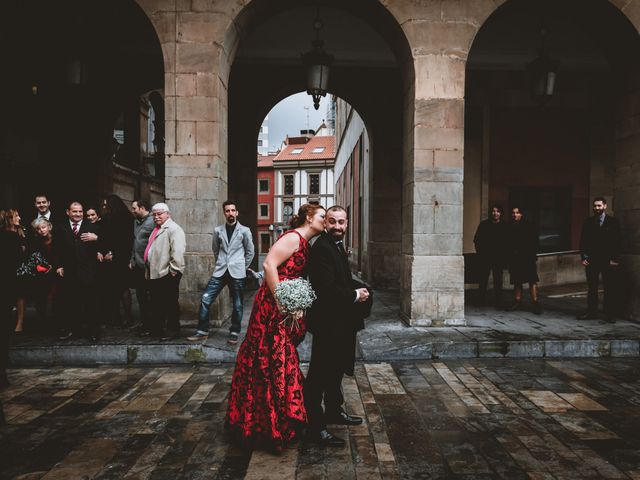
(294, 296)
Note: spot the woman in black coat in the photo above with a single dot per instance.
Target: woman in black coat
(10, 258)
(523, 249)
(115, 243)
(43, 285)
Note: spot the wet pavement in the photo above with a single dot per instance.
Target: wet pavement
(453, 419)
(490, 332)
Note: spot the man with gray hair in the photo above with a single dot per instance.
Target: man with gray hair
(164, 262)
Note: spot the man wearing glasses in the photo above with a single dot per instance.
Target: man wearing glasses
(164, 262)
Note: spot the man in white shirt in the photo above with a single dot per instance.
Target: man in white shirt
(43, 206)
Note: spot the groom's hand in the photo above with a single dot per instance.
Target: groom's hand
(363, 294)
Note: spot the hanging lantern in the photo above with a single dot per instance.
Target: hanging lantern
(543, 72)
(318, 63)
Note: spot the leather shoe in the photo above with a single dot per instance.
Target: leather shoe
(587, 316)
(169, 336)
(65, 336)
(325, 438)
(343, 418)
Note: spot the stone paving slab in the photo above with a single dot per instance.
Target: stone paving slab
(489, 332)
(481, 418)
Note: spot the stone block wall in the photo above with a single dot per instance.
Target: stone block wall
(199, 39)
(440, 35)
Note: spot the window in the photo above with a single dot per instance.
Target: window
(287, 211)
(318, 150)
(263, 185)
(288, 184)
(264, 210)
(296, 151)
(259, 143)
(549, 210)
(265, 242)
(314, 184)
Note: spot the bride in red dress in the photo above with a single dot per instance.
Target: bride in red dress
(266, 407)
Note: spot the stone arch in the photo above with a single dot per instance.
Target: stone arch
(73, 70)
(599, 77)
(387, 135)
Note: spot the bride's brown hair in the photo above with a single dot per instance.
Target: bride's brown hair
(305, 210)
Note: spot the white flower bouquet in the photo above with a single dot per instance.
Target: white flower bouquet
(294, 296)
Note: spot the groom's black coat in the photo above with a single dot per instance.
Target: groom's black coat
(334, 319)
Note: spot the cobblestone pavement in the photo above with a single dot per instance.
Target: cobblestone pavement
(463, 419)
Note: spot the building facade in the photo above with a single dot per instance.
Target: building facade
(440, 85)
(265, 220)
(352, 183)
(303, 172)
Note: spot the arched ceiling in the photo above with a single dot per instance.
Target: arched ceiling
(584, 35)
(284, 36)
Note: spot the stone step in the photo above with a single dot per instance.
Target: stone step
(181, 352)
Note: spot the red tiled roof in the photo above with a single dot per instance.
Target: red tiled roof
(266, 160)
(329, 152)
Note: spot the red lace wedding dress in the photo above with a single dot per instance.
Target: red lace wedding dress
(266, 406)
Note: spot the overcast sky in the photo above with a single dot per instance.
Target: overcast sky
(290, 116)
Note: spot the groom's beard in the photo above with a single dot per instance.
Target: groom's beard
(336, 236)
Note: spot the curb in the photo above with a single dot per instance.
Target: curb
(154, 354)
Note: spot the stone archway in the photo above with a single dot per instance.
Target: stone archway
(371, 82)
(71, 71)
(574, 146)
(430, 41)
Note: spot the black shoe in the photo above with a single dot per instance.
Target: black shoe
(537, 308)
(515, 306)
(343, 418)
(609, 318)
(65, 336)
(587, 316)
(325, 438)
(170, 336)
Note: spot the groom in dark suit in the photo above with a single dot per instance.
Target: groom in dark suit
(76, 264)
(334, 320)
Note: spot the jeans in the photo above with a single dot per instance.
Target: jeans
(211, 292)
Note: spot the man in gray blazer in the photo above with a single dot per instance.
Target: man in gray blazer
(233, 249)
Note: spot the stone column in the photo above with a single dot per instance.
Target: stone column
(627, 168)
(627, 186)
(440, 35)
(196, 37)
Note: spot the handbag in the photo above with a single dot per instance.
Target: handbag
(34, 264)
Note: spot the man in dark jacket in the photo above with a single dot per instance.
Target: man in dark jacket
(490, 241)
(600, 250)
(77, 262)
(334, 320)
(142, 227)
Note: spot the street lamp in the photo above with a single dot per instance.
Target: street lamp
(543, 72)
(318, 63)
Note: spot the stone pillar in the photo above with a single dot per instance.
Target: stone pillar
(196, 39)
(440, 35)
(627, 186)
(627, 167)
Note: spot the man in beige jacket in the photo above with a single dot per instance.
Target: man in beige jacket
(164, 261)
